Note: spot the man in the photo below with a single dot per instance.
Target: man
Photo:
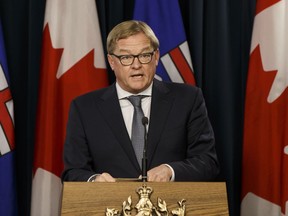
(180, 140)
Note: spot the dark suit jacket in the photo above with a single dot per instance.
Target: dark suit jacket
(179, 134)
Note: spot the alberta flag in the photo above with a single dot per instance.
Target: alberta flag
(8, 203)
(265, 148)
(164, 17)
(72, 64)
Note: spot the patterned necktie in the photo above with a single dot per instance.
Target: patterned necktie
(137, 136)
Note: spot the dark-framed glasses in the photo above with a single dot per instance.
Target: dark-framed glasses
(143, 58)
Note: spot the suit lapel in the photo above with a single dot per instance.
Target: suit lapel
(110, 108)
(160, 108)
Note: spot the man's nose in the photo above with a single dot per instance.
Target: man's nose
(136, 63)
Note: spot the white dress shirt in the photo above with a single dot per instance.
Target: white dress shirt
(128, 109)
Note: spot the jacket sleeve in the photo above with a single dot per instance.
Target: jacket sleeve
(77, 158)
(201, 163)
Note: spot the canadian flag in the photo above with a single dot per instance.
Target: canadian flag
(265, 148)
(72, 63)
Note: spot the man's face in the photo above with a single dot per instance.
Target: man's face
(135, 77)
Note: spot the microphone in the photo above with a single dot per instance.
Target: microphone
(144, 159)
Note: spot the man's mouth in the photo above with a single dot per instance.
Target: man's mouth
(136, 75)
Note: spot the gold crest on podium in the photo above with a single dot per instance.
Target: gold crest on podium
(145, 207)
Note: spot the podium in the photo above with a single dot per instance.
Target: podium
(91, 198)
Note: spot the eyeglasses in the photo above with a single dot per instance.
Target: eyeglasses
(143, 58)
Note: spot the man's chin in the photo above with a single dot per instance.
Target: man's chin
(135, 89)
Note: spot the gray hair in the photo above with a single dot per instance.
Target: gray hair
(129, 28)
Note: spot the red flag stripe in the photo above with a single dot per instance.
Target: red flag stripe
(5, 118)
(262, 5)
(182, 66)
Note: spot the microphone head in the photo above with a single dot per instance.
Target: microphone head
(144, 120)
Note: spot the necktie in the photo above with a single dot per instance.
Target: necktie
(137, 135)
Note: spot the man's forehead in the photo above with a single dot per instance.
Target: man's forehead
(132, 46)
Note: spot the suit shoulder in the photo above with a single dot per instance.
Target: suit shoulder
(181, 87)
(92, 95)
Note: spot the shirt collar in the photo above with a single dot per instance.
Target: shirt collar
(124, 94)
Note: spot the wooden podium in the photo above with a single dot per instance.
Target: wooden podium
(90, 198)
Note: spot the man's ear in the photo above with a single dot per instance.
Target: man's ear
(157, 55)
(111, 61)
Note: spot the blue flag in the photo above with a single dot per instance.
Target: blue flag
(165, 19)
(8, 203)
